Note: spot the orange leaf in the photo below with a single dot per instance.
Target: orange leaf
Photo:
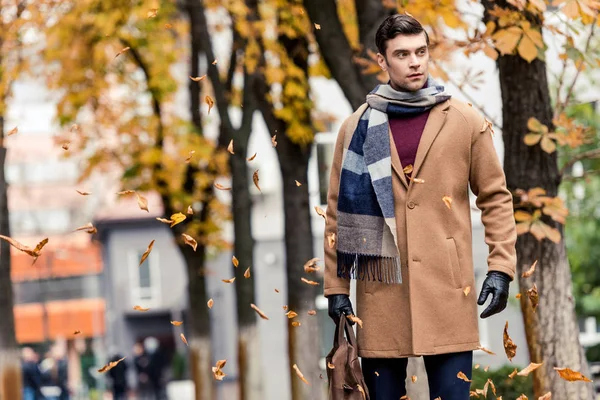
(467, 290)
(235, 261)
(12, 131)
(217, 373)
(320, 211)
(311, 312)
(486, 350)
(299, 373)
(461, 375)
(570, 375)
(35, 253)
(198, 78)
(229, 280)
(527, 370)
(230, 147)
(354, 318)
(110, 365)
(140, 308)
(311, 265)
(533, 297)
(177, 323)
(190, 241)
(210, 303)
(531, 270)
(259, 312)
(531, 139)
(447, 201)
(510, 348)
(252, 158)
(247, 273)
(331, 240)
(255, 180)
(142, 202)
(183, 339)
(89, 228)
(309, 282)
(513, 374)
(413, 379)
(210, 102)
(146, 253)
(291, 314)
(296, 323)
(122, 51)
(221, 187)
(164, 220)
(548, 145)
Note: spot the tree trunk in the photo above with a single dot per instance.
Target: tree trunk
(552, 331)
(10, 367)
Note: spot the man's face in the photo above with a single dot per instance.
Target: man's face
(407, 61)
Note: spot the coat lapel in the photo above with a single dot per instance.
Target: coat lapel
(396, 163)
(434, 124)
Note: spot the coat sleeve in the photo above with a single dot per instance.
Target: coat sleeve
(332, 283)
(488, 183)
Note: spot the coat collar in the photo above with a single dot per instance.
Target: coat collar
(433, 126)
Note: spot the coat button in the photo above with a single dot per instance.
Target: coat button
(411, 205)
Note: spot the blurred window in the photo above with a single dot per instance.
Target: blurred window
(145, 288)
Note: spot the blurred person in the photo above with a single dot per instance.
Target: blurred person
(32, 375)
(156, 367)
(118, 377)
(399, 207)
(141, 362)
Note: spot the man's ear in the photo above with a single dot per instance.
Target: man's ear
(382, 61)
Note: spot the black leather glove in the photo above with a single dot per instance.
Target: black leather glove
(339, 304)
(496, 283)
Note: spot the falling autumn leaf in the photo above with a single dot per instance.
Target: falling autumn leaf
(531, 270)
(190, 241)
(354, 318)
(89, 228)
(35, 253)
(330, 365)
(276, 290)
(447, 201)
(376, 373)
(311, 265)
(255, 180)
(177, 218)
(230, 147)
(66, 145)
(320, 211)
(190, 210)
(299, 373)
(311, 312)
(177, 323)
(259, 312)
(522, 397)
(12, 131)
(122, 51)
(309, 282)
(413, 379)
(210, 303)
(513, 374)
(183, 339)
(486, 368)
(467, 290)
(235, 261)
(486, 350)
(210, 102)
(285, 308)
(298, 183)
(546, 396)
(110, 365)
(189, 157)
(229, 280)
(126, 192)
(152, 13)
(534, 297)
(221, 187)
(140, 308)
(217, 373)
(164, 220)
(146, 253)
(77, 332)
(274, 141)
(317, 26)
(142, 202)
(531, 367)
(362, 391)
(296, 323)
(291, 314)
(198, 78)
(417, 180)
(247, 273)
(518, 296)
(510, 348)
(252, 158)
(331, 240)
(570, 375)
(476, 366)
(461, 375)
(214, 62)
(83, 193)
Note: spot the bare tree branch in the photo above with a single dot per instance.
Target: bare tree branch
(590, 154)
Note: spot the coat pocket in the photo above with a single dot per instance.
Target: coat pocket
(454, 263)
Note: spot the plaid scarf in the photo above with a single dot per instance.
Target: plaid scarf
(366, 223)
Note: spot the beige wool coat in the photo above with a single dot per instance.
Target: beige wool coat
(428, 313)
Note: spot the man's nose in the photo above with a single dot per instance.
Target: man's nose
(414, 60)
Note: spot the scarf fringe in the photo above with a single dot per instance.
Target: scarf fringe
(369, 267)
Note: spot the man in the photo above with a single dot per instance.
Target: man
(32, 376)
(399, 223)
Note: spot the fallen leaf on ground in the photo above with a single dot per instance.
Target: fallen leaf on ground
(320, 211)
(309, 282)
(230, 147)
(110, 365)
(210, 303)
(534, 297)
(299, 373)
(235, 261)
(255, 180)
(189, 241)
(177, 323)
(461, 375)
(183, 339)
(311, 265)
(510, 348)
(142, 202)
(447, 201)
(146, 253)
(259, 312)
(530, 271)
(570, 375)
(531, 367)
(140, 308)
(247, 273)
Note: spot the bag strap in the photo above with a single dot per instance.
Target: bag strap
(341, 326)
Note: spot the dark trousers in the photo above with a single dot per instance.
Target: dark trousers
(442, 370)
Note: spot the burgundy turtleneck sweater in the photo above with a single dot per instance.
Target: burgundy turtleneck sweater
(407, 133)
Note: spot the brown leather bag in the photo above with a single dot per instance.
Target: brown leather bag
(346, 380)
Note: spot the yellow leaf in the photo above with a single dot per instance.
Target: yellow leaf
(146, 253)
(467, 290)
(506, 39)
(142, 202)
(183, 339)
(548, 145)
(255, 180)
(527, 49)
(447, 201)
(190, 241)
(522, 216)
(331, 240)
(177, 218)
(291, 314)
(110, 365)
(322, 213)
(298, 183)
(532, 139)
(461, 375)
(210, 102)
(189, 157)
(523, 228)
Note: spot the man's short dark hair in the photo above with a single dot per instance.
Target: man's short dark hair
(394, 25)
